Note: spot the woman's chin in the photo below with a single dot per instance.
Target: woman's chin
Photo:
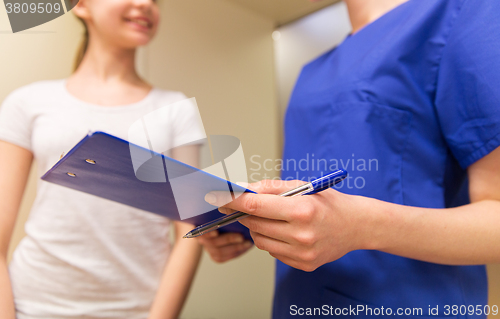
(135, 42)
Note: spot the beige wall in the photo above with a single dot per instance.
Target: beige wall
(494, 285)
(222, 54)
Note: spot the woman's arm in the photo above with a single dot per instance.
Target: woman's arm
(309, 231)
(15, 164)
(183, 261)
(178, 275)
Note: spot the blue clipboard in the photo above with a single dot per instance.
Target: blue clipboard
(101, 164)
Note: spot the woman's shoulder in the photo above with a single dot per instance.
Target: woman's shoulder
(177, 102)
(168, 95)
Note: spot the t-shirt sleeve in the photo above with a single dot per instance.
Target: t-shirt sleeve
(15, 123)
(187, 126)
(468, 86)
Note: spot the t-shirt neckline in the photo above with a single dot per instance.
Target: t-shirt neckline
(106, 108)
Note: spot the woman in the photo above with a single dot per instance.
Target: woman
(85, 257)
(414, 87)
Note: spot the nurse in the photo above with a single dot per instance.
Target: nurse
(415, 91)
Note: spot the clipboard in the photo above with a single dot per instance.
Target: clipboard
(101, 164)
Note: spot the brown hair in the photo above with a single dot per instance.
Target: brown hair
(82, 49)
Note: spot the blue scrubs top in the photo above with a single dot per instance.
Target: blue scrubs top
(405, 105)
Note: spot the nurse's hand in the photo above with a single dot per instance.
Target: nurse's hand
(224, 247)
(304, 232)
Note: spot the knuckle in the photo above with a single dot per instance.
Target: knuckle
(228, 240)
(309, 256)
(252, 204)
(296, 238)
(231, 251)
(248, 222)
(221, 241)
(308, 268)
(216, 242)
(305, 211)
(216, 257)
(259, 244)
(243, 247)
(306, 238)
(211, 251)
(252, 224)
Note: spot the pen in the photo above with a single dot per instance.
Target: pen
(310, 188)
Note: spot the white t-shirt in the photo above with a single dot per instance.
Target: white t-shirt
(83, 256)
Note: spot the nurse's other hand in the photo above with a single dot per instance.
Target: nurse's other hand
(224, 247)
(304, 232)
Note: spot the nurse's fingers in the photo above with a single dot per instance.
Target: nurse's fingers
(226, 211)
(269, 186)
(271, 245)
(304, 259)
(261, 205)
(266, 186)
(294, 263)
(271, 228)
(221, 198)
(275, 187)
